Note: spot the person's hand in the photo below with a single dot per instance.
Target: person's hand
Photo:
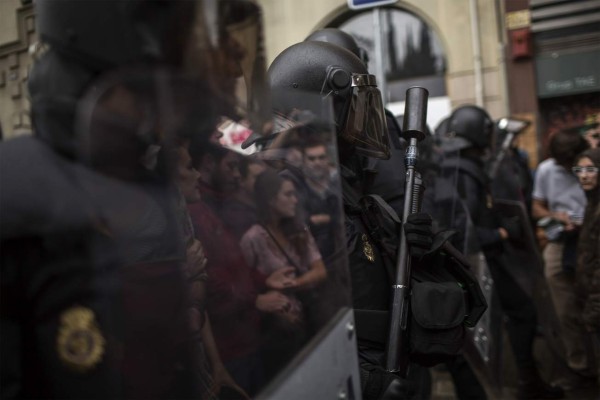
(195, 261)
(282, 278)
(512, 227)
(221, 377)
(565, 219)
(292, 317)
(541, 237)
(272, 302)
(419, 233)
(292, 313)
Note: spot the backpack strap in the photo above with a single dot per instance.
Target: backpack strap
(355, 204)
(350, 198)
(390, 212)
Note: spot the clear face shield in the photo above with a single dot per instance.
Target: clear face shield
(366, 127)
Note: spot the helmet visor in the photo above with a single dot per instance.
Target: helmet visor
(365, 125)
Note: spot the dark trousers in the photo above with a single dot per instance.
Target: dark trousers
(520, 311)
(466, 383)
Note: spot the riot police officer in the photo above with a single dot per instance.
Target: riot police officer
(387, 180)
(333, 72)
(93, 297)
(466, 144)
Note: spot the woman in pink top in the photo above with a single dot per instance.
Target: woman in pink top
(279, 241)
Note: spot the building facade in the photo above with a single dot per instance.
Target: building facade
(553, 63)
(525, 58)
(17, 36)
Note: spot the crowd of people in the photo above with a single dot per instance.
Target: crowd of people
(141, 258)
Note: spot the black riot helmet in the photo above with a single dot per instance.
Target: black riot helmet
(106, 34)
(339, 38)
(335, 73)
(468, 126)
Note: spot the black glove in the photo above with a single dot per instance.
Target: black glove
(513, 227)
(419, 234)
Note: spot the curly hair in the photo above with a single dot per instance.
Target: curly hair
(565, 146)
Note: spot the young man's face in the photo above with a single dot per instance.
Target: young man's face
(316, 162)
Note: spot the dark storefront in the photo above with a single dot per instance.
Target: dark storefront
(566, 39)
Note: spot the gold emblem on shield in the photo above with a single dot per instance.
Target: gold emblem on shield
(80, 343)
(367, 248)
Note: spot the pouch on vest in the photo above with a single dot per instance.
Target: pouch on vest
(437, 331)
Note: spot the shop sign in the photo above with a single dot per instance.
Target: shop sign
(560, 74)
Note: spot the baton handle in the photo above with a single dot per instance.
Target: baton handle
(414, 130)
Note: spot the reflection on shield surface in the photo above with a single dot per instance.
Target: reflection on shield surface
(484, 349)
(300, 189)
(525, 264)
(245, 243)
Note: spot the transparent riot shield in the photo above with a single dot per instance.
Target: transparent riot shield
(231, 264)
(484, 347)
(525, 264)
(309, 349)
(484, 350)
(135, 128)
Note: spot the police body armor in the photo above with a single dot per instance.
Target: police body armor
(373, 231)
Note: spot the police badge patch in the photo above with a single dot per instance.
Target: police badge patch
(80, 343)
(367, 248)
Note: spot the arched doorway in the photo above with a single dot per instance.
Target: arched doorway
(415, 56)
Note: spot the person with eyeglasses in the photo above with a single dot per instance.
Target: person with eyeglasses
(581, 171)
(587, 274)
(559, 202)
